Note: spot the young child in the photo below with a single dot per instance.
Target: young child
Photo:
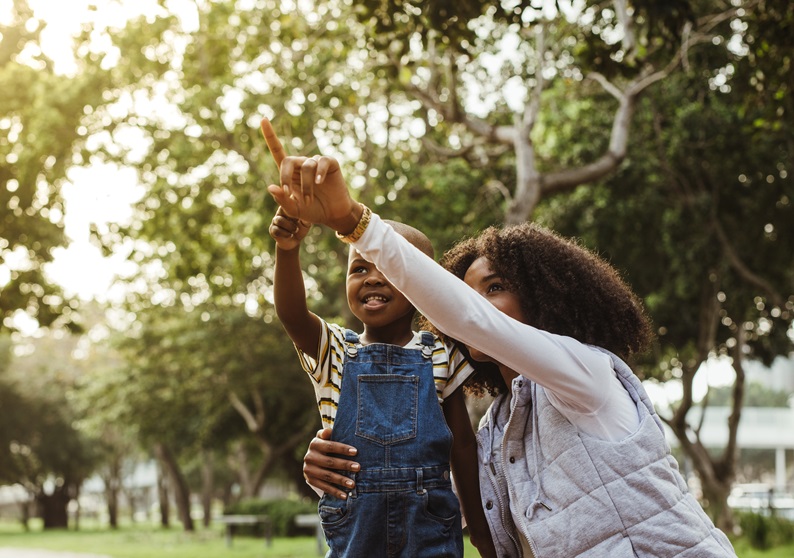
(380, 391)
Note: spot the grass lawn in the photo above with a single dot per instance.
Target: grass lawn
(150, 542)
(142, 541)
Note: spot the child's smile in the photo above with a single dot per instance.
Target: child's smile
(374, 301)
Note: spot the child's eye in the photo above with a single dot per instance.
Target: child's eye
(358, 269)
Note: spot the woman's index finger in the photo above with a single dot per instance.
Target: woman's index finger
(273, 143)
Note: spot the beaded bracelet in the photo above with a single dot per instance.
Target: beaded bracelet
(366, 215)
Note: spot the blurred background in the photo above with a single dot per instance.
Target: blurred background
(143, 374)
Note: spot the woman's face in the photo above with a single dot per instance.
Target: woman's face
(487, 283)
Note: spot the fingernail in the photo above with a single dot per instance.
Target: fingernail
(349, 483)
(318, 178)
(355, 467)
(343, 495)
(352, 451)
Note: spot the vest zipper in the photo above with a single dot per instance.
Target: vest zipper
(495, 486)
(520, 527)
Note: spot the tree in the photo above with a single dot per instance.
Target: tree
(553, 46)
(700, 220)
(212, 378)
(40, 448)
(115, 441)
(40, 137)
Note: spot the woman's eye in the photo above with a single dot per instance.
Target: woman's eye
(495, 287)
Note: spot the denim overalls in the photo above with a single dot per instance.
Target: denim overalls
(403, 504)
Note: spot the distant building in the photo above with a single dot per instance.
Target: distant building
(779, 376)
(760, 428)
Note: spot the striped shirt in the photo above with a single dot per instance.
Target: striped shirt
(450, 368)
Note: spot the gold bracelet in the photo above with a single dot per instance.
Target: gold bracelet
(366, 215)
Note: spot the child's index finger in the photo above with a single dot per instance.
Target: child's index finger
(273, 143)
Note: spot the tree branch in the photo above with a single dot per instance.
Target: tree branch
(744, 272)
(241, 408)
(737, 354)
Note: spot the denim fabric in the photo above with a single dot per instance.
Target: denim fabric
(403, 504)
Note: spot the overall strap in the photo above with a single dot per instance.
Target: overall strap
(352, 342)
(351, 336)
(428, 342)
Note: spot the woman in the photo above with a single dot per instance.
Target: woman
(573, 460)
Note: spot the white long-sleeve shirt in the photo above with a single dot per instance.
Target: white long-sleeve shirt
(578, 379)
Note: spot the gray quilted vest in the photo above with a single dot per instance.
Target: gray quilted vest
(582, 496)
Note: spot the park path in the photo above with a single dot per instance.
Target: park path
(33, 553)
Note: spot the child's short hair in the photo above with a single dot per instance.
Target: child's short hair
(414, 236)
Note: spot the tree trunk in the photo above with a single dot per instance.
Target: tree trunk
(112, 479)
(113, 507)
(77, 510)
(24, 515)
(207, 485)
(716, 473)
(53, 508)
(239, 463)
(181, 489)
(133, 500)
(162, 496)
(716, 493)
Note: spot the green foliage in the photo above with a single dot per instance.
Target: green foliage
(40, 444)
(456, 22)
(40, 131)
(766, 531)
(447, 201)
(282, 514)
(213, 378)
(687, 219)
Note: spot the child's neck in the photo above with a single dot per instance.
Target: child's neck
(386, 335)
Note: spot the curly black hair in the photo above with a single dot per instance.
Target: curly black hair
(563, 288)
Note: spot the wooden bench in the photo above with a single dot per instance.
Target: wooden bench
(231, 521)
(313, 520)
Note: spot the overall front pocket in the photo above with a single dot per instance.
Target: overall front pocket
(387, 408)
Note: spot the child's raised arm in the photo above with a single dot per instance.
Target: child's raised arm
(303, 327)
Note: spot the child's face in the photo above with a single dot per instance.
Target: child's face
(374, 300)
(487, 283)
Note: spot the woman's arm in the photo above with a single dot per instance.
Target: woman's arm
(315, 190)
(575, 374)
